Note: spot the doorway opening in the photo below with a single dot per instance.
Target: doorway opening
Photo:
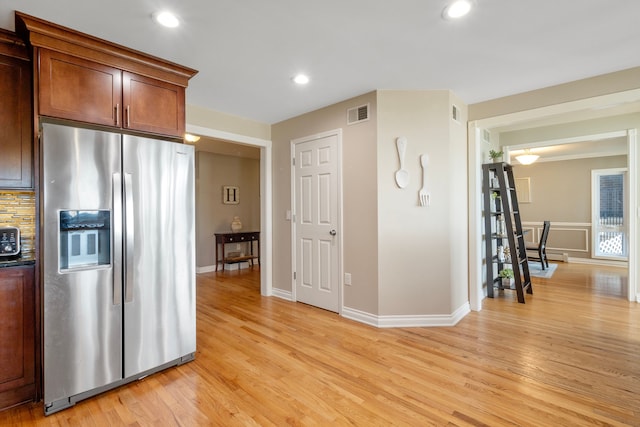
(252, 151)
(570, 112)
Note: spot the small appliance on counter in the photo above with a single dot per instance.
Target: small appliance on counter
(9, 242)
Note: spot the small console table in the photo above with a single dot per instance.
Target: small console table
(247, 237)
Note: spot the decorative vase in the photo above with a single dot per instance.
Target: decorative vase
(236, 224)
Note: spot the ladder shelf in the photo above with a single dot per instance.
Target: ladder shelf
(503, 229)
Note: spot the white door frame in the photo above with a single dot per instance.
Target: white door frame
(474, 164)
(338, 134)
(266, 197)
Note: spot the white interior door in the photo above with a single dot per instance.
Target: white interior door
(316, 221)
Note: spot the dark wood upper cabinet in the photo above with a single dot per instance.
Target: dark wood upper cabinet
(77, 89)
(16, 137)
(152, 105)
(83, 78)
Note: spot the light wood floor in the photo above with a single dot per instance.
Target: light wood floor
(570, 356)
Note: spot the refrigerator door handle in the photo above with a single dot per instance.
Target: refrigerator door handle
(128, 238)
(117, 238)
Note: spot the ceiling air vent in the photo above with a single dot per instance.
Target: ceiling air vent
(455, 113)
(486, 135)
(358, 114)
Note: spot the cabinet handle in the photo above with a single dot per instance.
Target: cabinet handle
(117, 114)
(128, 117)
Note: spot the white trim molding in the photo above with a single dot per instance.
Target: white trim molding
(205, 269)
(281, 293)
(536, 228)
(266, 196)
(596, 261)
(407, 321)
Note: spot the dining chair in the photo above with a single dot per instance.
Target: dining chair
(541, 246)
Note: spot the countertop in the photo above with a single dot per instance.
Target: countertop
(18, 260)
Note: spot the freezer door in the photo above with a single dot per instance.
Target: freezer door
(159, 293)
(82, 317)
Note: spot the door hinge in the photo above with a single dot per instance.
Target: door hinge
(294, 275)
(293, 161)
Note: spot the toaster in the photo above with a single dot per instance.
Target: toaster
(9, 241)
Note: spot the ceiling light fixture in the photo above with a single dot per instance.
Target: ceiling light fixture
(301, 79)
(458, 9)
(166, 19)
(527, 158)
(191, 138)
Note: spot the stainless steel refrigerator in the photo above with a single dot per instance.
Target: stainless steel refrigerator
(118, 266)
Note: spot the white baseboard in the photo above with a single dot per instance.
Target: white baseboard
(593, 261)
(407, 321)
(205, 269)
(230, 267)
(280, 293)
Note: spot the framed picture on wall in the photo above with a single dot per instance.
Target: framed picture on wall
(230, 195)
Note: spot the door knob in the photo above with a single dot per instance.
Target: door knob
(332, 232)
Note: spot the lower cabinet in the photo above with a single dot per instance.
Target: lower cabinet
(17, 336)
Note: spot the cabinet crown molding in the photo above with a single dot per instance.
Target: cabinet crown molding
(42, 34)
(13, 46)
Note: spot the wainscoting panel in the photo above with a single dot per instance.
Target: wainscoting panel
(564, 236)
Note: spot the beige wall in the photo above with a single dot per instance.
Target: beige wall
(571, 130)
(359, 178)
(422, 250)
(404, 259)
(213, 171)
(581, 89)
(561, 193)
(198, 116)
(368, 157)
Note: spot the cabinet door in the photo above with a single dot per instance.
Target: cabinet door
(153, 106)
(15, 123)
(17, 314)
(77, 89)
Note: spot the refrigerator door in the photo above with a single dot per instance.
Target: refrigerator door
(159, 293)
(82, 316)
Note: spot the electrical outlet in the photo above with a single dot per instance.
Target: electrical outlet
(347, 279)
(237, 246)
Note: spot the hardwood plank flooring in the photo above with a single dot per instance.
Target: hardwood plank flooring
(570, 356)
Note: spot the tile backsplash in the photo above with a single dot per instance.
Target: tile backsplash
(18, 209)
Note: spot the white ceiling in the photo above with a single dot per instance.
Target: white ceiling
(247, 51)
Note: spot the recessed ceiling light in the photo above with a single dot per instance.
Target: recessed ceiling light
(301, 79)
(458, 9)
(166, 19)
